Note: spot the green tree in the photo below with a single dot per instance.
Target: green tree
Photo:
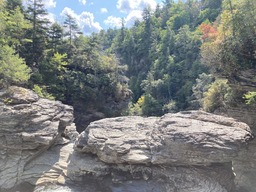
(151, 106)
(16, 28)
(36, 14)
(14, 4)
(71, 26)
(55, 35)
(13, 69)
(217, 96)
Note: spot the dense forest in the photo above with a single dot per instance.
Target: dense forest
(182, 55)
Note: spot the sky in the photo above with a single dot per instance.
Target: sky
(94, 15)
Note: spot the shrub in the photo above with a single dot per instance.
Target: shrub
(13, 69)
(250, 98)
(217, 95)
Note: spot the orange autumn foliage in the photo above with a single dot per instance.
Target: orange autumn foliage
(208, 31)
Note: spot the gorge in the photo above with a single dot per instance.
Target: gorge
(184, 152)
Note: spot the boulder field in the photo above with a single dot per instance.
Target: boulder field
(190, 151)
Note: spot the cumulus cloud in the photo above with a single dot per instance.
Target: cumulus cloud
(134, 9)
(82, 1)
(51, 17)
(85, 20)
(132, 17)
(113, 22)
(49, 3)
(128, 6)
(103, 10)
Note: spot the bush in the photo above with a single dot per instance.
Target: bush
(250, 98)
(217, 95)
(41, 92)
(151, 106)
(13, 69)
(136, 109)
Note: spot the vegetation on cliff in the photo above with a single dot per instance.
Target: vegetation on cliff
(182, 55)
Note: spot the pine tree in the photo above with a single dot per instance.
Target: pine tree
(13, 4)
(36, 14)
(72, 28)
(55, 35)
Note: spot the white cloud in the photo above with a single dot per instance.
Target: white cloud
(51, 17)
(68, 11)
(132, 17)
(49, 3)
(103, 10)
(128, 6)
(82, 1)
(113, 22)
(134, 9)
(85, 20)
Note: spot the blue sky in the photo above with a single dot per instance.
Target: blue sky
(94, 15)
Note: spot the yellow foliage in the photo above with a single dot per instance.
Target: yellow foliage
(216, 96)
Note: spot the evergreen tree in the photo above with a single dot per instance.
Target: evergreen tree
(13, 69)
(13, 4)
(71, 27)
(16, 28)
(36, 14)
(55, 35)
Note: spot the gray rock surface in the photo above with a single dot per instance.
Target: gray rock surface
(245, 165)
(64, 166)
(28, 127)
(188, 138)
(184, 152)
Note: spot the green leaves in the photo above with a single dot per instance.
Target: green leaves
(13, 69)
(217, 96)
(250, 98)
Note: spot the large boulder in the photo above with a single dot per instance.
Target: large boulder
(184, 152)
(187, 138)
(29, 125)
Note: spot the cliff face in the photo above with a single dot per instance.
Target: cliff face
(245, 166)
(183, 152)
(28, 127)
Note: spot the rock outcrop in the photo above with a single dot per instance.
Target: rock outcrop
(29, 125)
(188, 138)
(245, 166)
(190, 151)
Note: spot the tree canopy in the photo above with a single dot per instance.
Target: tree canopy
(161, 64)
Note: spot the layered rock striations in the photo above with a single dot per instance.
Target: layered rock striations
(185, 152)
(190, 145)
(29, 125)
(187, 138)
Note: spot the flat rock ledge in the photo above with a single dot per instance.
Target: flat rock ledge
(186, 138)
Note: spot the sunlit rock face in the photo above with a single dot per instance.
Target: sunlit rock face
(183, 140)
(29, 125)
(187, 138)
(185, 152)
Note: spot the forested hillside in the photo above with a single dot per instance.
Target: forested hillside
(57, 61)
(185, 54)
(182, 55)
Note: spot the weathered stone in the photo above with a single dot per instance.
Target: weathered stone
(19, 95)
(244, 166)
(188, 138)
(28, 127)
(184, 152)
(61, 165)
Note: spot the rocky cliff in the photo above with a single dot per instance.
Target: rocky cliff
(29, 126)
(183, 152)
